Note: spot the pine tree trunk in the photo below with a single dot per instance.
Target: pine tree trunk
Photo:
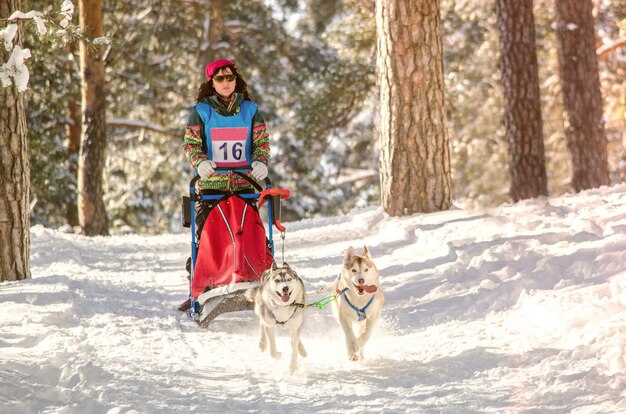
(522, 119)
(414, 147)
(91, 210)
(73, 131)
(14, 175)
(213, 34)
(580, 83)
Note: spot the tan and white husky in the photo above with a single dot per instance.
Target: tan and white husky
(280, 301)
(359, 300)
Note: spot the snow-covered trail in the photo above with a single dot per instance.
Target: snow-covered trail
(516, 309)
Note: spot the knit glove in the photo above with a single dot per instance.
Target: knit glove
(206, 168)
(259, 170)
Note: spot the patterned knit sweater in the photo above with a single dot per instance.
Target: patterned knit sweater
(192, 143)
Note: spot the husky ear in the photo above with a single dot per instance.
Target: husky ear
(266, 275)
(366, 252)
(350, 253)
(286, 266)
(274, 267)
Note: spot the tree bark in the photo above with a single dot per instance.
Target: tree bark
(414, 147)
(73, 130)
(580, 85)
(522, 118)
(91, 211)
(14, 175)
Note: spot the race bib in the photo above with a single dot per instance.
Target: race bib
(228, 146)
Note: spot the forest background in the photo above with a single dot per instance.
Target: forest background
(310, 66)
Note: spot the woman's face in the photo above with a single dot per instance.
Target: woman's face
(224, 82)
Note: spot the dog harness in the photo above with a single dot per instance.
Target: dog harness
(296, 306)
(360, 312)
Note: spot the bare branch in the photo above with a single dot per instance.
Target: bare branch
(135, 124)
(604, 50)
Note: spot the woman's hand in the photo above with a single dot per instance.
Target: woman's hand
(259, 170)
(206, 168)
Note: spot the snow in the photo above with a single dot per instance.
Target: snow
(18, 15)
(7, 35)
(16, 68)
(521, 308)
(65, 15)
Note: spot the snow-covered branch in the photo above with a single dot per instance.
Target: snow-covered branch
(14, 70)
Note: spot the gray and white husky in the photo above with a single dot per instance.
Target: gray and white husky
(280, 301)
(359, 300)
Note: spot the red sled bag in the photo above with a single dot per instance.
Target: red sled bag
(233, 247)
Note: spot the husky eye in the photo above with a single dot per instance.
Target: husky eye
(276, 280)
(366, 269)
(353, 270)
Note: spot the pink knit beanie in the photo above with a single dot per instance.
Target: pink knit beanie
(214, 66)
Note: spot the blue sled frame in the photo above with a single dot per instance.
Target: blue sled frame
(229, 298)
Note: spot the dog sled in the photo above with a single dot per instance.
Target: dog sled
(233, 249)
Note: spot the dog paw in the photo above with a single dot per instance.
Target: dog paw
(293, 368)
(353, 348)
(276, 355)
(355, 354)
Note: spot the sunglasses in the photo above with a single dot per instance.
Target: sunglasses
(222, 78)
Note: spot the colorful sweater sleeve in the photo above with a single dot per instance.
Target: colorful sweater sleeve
(260, 140)
(192, 141)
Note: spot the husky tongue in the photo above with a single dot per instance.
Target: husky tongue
(366, 288)
(370, 288)
(285, 298)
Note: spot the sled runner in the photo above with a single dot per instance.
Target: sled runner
(232, 251)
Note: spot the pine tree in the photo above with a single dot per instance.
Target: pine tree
(414, 158)
(91, 210)
(14, 174)
(522, 119)
(580, 85)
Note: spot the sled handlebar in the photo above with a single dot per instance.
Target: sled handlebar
(239, 171)
(284, 194)
(275, 195)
